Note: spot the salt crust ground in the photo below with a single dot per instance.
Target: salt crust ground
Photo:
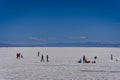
(62, 66)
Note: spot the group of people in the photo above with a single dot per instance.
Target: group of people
(42, 57)
(86, 61)
(18, 55)
(83, 60)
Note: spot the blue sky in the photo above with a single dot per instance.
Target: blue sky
(49, 21)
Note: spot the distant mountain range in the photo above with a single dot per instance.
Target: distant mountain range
(86, 44)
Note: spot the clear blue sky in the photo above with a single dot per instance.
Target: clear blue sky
(46, 21)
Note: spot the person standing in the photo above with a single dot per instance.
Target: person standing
(42, 58)
(47, 60)
(21, 56)
(38, 53)
(17, 55)
(84, 59)
(111, 57)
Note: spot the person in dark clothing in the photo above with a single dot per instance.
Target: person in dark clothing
(95, 57)
(111, 57)
(84, 59)
(21, 56)
(42, 58)
(38, 53)
(47, 58)
(93, 61)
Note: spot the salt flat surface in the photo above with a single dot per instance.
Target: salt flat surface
(62, 66)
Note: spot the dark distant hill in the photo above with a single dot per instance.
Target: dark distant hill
(6, 45)
(87, 44)
(13, 45)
